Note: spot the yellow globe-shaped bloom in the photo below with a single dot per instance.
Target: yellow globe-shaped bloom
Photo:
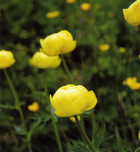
(132, 83)
(43, 61)
(70, 1)
(71, 100)
(85, 6)
(132, 14)
(58, 43)
(52, 14)
(6, 59)
(104, 47)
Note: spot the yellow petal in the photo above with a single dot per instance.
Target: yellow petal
(33, 107)
(85, 102)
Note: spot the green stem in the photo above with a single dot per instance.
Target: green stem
(66, 69)
(85, 135)
(53, 118)
(17, 105)
(137, 150)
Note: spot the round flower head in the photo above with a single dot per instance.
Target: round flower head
(132, 83)
(6, 59)
(104, 47)
(85, 6)
(70, 1)
(58, 43)
(43, 61)
(52, 14)
(33, 107)
(132, 14)
(71, 100)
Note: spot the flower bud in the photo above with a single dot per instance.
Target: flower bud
(85, 6)
(71, 100)
(52, 14)
(58, 43)
(33, 107)
(6, 59)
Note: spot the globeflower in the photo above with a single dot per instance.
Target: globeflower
(122, 49)
(43, 61)
(132, 14)
(131, 82)
(71, 100)
(33, 107)
(104, 47)
(52, 14)
(85, 6)
(58, 43)
(70, 1)
(6, 59)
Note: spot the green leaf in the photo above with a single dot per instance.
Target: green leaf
(98, 138)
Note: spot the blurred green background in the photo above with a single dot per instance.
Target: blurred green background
(23, 23)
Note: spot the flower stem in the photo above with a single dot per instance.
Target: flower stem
(53, 117)
(17, 106)
(85, 135)
(137, 150)
(66, 69)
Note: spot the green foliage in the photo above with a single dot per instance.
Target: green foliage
(23, 24)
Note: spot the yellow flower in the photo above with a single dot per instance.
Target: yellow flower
(73, 118)
(132, 14)
(6, 59)
(122, 49)
(52, 14)
(104, 47)
(139, 136)
(43, 61)
(70, 1)
(131, 82)
(58, 43)
(33, 107)
(85, 6)
(71, 100)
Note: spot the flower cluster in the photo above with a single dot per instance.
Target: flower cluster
(132, 83)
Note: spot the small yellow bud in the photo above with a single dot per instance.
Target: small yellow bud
(33, 107)
(104, 47)
(73, 118)
(52, 14)
(85, 6)
(70, 1)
